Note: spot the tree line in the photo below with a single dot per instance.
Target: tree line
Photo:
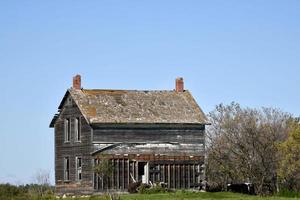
(257, 146)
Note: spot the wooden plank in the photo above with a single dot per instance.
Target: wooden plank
(198, 171)
(113, 174)
(163, 174)
(184, 177)
(169, 176)
(194, 175)
(123, 171)
(118, 175)
(174, 177)
(189, 176)
(159, 174)
(137, 171)
(178, 177)
(128, 173)
(125, 135)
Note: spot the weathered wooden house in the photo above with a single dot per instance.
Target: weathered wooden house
(148, 136)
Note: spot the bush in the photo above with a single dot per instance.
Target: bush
(8, 191)
(147, 189)
(25, 192)
(143, 188)
(132, 188)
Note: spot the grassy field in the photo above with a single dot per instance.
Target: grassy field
(197, 196)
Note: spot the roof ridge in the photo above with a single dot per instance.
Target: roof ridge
(128, 90)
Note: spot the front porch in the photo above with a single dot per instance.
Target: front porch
(176, 172)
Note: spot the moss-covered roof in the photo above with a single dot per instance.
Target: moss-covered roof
(136, 106)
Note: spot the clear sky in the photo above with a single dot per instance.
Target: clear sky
(243, 51)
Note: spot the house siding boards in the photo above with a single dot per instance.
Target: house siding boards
(72, 149)
(143, 135)
(162, 131)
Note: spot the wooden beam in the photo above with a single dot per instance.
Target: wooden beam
(189, 176)
(113, 174)
(137, 171)
(118, 175)
(174, 177)
(169, 176)
(123, 171)
(178, 177)
(163, 173)
(184, 177)
(128, 173)
(159, 172)
(193, 178)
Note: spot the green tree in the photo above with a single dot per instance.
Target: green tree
(103, 168)
(289, 164)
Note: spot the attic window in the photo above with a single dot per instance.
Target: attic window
(69, 102)
(67, 130)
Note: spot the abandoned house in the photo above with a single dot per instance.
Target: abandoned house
(146, 136)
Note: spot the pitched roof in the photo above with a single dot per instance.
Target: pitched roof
(136, 106)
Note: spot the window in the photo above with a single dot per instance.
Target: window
(77, 129)
(66, 169)
(67, 130)
(78, 168)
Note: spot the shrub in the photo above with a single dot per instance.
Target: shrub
(132, 188)
(8, 191)
(147, 189)
(143, 188)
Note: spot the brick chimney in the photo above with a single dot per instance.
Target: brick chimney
(179, 84)
(77, 82)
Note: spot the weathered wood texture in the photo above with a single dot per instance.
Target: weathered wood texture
(72, 149)
(182, 171)
(183, 135)
(176, 174)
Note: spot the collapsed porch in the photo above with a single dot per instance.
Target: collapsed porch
(176, 172)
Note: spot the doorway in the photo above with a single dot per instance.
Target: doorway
(143, 172)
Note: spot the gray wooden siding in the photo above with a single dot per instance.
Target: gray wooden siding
(71, 150)
(184, 136)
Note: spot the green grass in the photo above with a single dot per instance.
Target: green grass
(179, 195)
(197, 196)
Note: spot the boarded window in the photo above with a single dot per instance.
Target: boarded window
(67, 130)
(77, 129)
(66, 168)
(78, 168)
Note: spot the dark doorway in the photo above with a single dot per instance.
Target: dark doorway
(141, 170)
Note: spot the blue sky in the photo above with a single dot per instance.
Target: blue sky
(243, 51)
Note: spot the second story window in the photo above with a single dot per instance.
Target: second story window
(67, 130)
(77, 129)
(66, 168)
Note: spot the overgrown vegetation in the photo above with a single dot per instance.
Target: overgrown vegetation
(24, 192)
(151, 189)
(251, 145)
(289, 163)
(10, 192)
(258, 146)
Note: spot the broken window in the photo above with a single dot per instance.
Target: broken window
(77, 129)
(78, 168)
(67, 130)
(66, 168)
